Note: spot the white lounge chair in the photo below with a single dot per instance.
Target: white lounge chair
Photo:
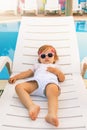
(52, 5)
(59, 32)
(29, 6)
(9, 5)
(77, 8)
(5, 60)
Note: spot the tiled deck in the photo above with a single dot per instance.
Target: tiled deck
(11, 16)
(2, 84)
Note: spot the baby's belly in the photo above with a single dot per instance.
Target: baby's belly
(43, 75)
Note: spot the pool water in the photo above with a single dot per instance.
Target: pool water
(8, 38)
(81, 29)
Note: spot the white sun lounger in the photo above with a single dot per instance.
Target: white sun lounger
(77, 8)
(53, 5)
(5, 60)
(59, 32)
(9, 5)
(30, 6)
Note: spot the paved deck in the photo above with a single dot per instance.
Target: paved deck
(2, 84)
(10, 16)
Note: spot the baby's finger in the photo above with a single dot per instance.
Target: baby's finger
(11, 80)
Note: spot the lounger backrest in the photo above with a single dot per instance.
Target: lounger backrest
(52, 5)
(76, 5)
(30, 5)
(35, 32)
(8, 5)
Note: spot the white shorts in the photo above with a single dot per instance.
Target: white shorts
(40, 91)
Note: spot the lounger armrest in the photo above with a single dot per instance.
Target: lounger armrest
(5, 60)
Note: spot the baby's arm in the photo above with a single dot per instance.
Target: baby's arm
(21, 75)
(60, 75)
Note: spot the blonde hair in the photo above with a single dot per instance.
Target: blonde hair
(47, 47)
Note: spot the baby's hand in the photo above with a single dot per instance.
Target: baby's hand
(12, 80)
(51, 69)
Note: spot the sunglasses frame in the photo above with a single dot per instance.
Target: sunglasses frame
(43, 56)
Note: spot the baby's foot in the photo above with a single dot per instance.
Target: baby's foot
(52, 119)
(34, 111)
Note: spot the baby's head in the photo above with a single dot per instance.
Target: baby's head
(47, 54)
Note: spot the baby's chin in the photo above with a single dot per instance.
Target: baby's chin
(48, 62)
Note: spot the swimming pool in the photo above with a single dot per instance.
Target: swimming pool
(8, 37)
(9, 33)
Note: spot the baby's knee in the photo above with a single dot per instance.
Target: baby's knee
(52, 89)
(17, 87)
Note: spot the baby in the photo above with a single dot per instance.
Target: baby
(43, 78)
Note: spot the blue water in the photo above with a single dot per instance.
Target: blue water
(81, 29)
(8, 38)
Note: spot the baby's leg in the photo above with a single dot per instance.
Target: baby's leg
(52, 95)
(23, 90)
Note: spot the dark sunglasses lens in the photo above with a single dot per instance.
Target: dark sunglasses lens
(50, 55)
(43, 56)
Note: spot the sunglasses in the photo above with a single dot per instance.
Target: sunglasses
(43, 56)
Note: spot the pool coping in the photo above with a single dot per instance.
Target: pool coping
(12, 18)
